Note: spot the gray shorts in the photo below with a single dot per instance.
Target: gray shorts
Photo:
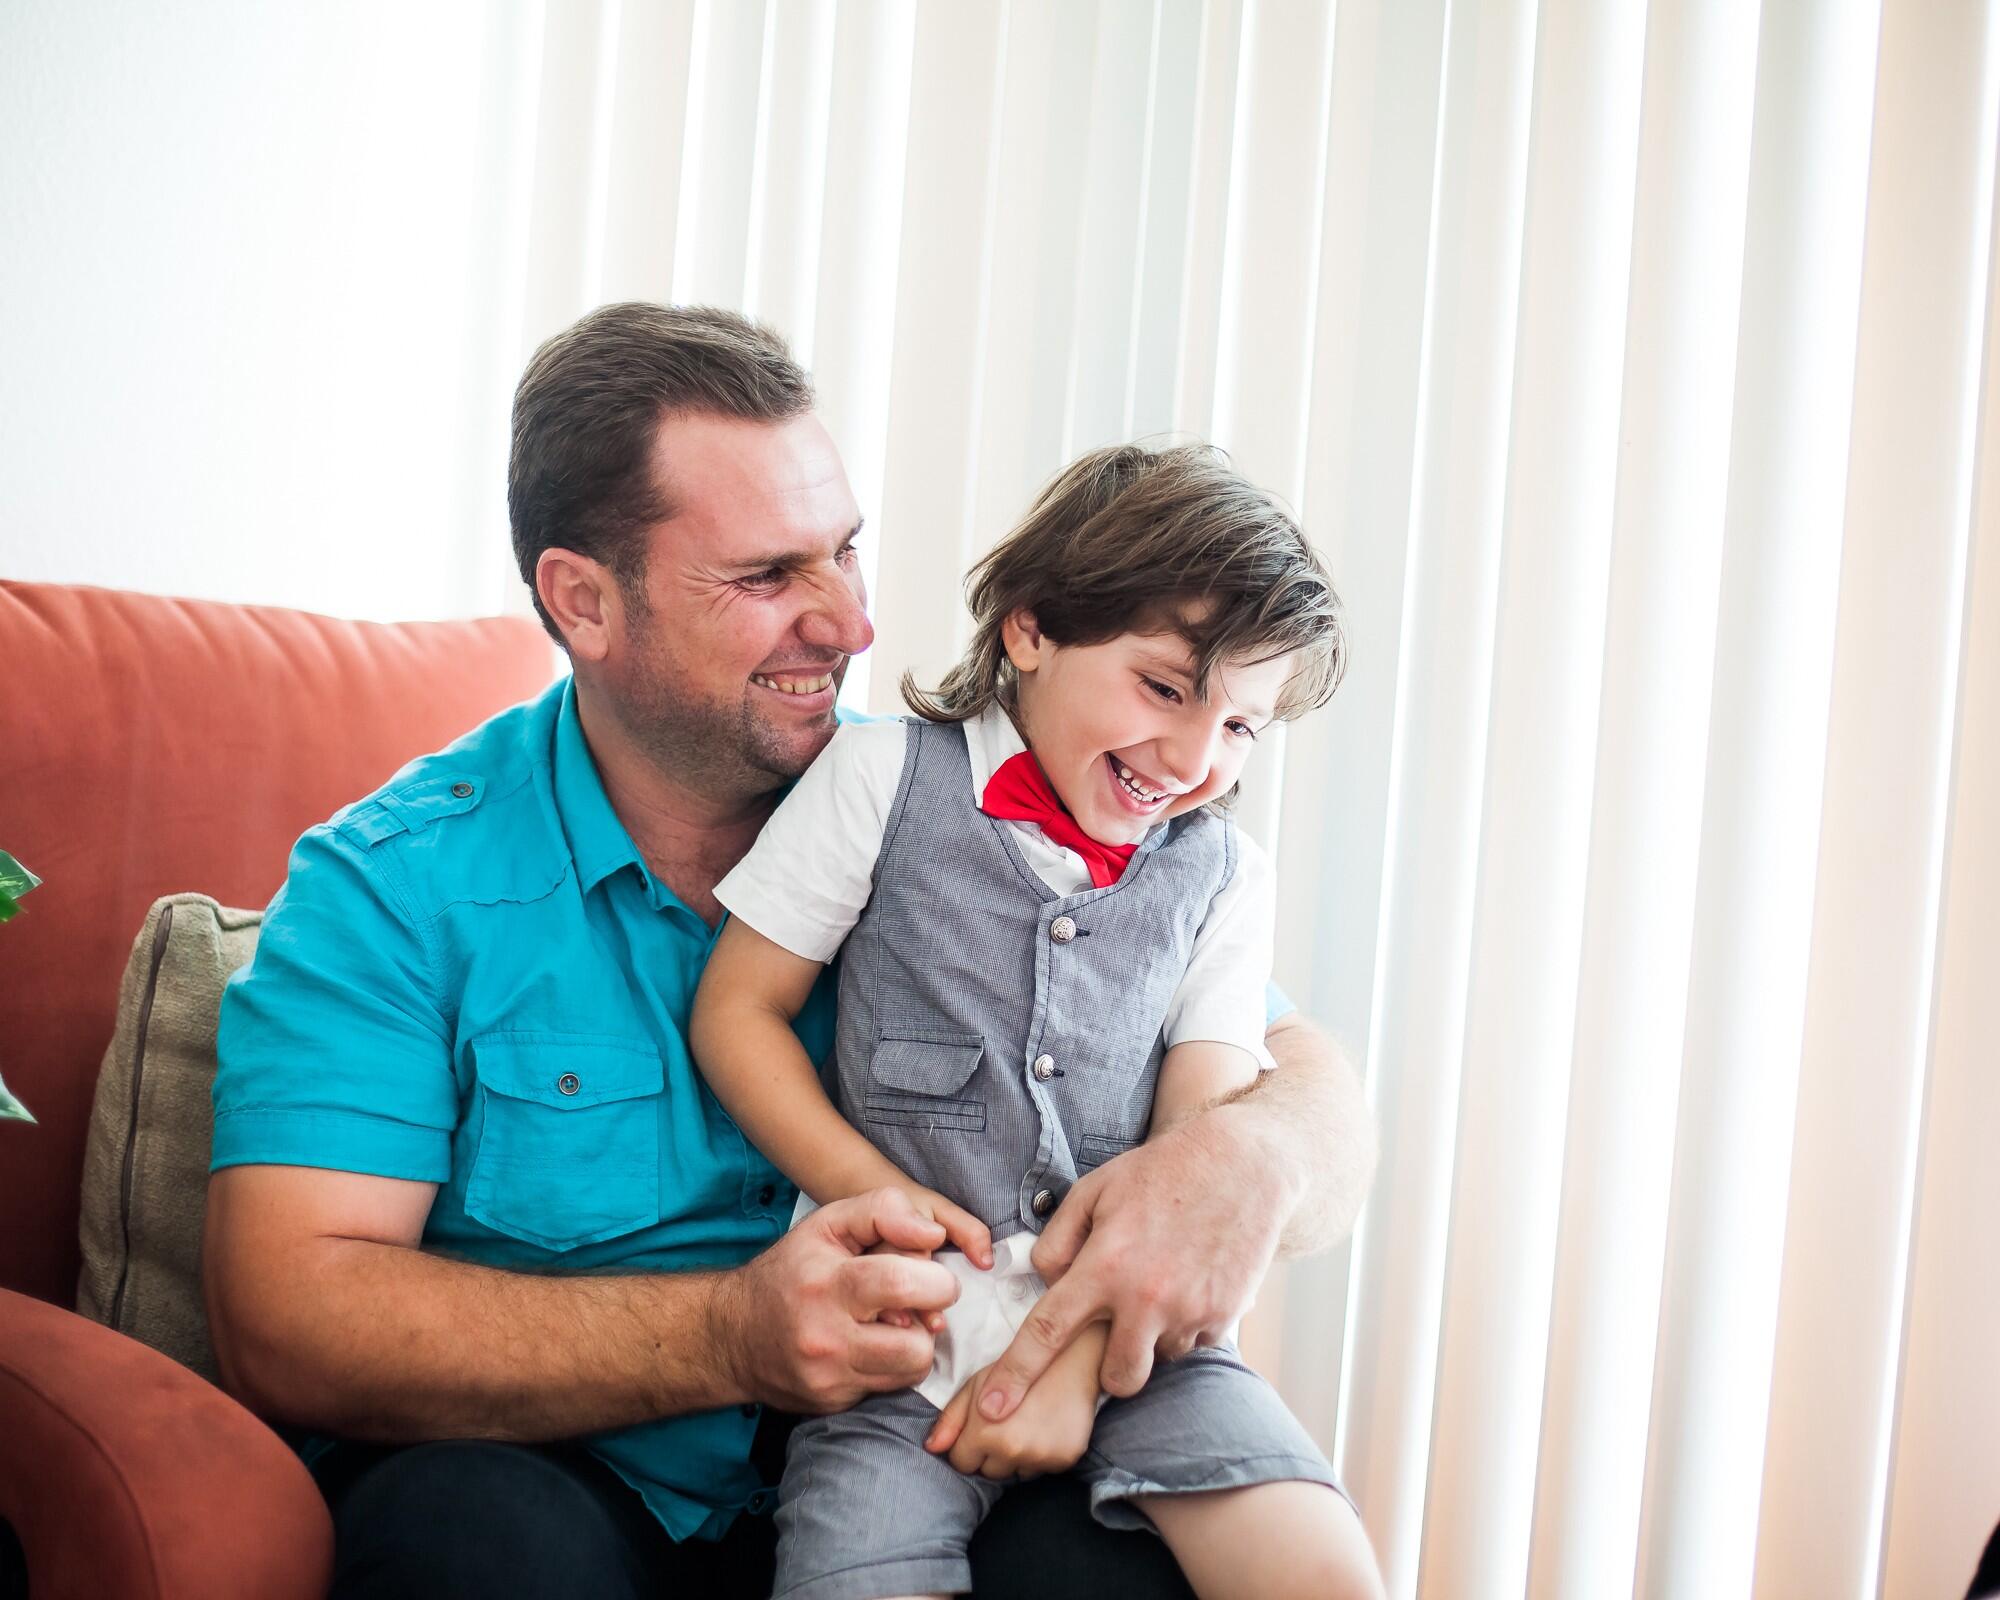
(865, 1511)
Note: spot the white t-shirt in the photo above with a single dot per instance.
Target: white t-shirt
(804, 884)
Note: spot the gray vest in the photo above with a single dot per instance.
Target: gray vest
(996, 1039)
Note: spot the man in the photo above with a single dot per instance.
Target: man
(473, 1213)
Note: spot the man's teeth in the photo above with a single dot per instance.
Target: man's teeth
(794, 685)
(1137, 790)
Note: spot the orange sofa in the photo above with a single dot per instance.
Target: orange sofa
(150, 746)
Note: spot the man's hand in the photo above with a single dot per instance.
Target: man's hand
(1169, 1241)
(805, 1321)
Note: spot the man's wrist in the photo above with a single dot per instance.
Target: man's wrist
(725, 1327)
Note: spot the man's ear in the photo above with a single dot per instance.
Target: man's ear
(1021, 636)
(582, 596)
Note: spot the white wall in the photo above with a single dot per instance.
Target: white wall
(253, 263)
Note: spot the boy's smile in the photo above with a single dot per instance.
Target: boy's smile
(1120, 731)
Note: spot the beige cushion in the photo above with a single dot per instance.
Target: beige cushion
(145, 1168)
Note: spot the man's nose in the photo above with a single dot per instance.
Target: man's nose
(838, 619)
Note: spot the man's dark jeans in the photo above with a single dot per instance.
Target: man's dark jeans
(474, 1517)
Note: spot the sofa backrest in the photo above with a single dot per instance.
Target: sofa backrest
(150, 746)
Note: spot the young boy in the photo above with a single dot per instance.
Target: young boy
(1055, 943)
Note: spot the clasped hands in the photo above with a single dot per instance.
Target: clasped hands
(1154, 1252)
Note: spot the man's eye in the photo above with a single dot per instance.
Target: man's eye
(769, 578)
(847, 555)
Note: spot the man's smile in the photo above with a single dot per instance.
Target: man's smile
(787, 684)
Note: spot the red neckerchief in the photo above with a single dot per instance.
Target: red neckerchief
(1020, 792)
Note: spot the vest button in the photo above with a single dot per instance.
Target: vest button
(1045, 1067)
(1063, 929)
(1043, 1203)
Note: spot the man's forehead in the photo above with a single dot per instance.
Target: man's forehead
(727, 473)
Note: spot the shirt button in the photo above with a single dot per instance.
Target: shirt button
(1063, 929)
(767, 1194)
(1043, 1203)
(1045, 1067)
(462, 790)
(568, 1083)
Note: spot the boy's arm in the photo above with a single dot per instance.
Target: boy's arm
(741, 1034)
(1196, 1075)
(1048, 1431)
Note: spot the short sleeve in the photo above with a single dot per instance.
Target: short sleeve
(332, 1049)
(1225, 993)
(803, 884)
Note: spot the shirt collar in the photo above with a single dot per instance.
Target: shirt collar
(598, 842)
(991, 740)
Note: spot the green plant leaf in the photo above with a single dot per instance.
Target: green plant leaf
(11, 1109)
(15, 879)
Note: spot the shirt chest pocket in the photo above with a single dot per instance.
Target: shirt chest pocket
(569, 1140)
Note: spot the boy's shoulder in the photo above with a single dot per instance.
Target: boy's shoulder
(865, 741)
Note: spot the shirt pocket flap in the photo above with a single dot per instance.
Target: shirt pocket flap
(933, 1063)
(568, 1071)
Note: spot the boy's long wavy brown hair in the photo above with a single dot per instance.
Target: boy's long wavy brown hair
(1136, 539)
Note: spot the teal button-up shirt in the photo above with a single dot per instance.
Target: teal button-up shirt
(472, 979)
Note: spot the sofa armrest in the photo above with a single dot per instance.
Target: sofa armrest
(126, 1474)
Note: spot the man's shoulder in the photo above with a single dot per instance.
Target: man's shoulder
(475, 807)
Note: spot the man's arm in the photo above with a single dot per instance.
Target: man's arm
(1168, 1242)
(1313, 1114)
(325, 1313)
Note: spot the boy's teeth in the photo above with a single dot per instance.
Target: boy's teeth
(1132, 783)
(794, 685)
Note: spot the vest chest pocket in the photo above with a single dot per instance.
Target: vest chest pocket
(569, 1142)
(920, 1081)
(1094, 1149)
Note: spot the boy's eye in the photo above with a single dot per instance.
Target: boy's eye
(1165, 691)
(1243, 730)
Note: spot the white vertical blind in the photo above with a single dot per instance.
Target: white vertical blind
(1869, 988)
(1038, 200)
(861, 220)
(643, 67)
(941, 311)
(1437, 763)
(1624, 361)
(719, 153)
(1666, 551)
(1946, 1457)
(1542, 725)
(1360, 449)
(1760, 819)
(790, 176)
